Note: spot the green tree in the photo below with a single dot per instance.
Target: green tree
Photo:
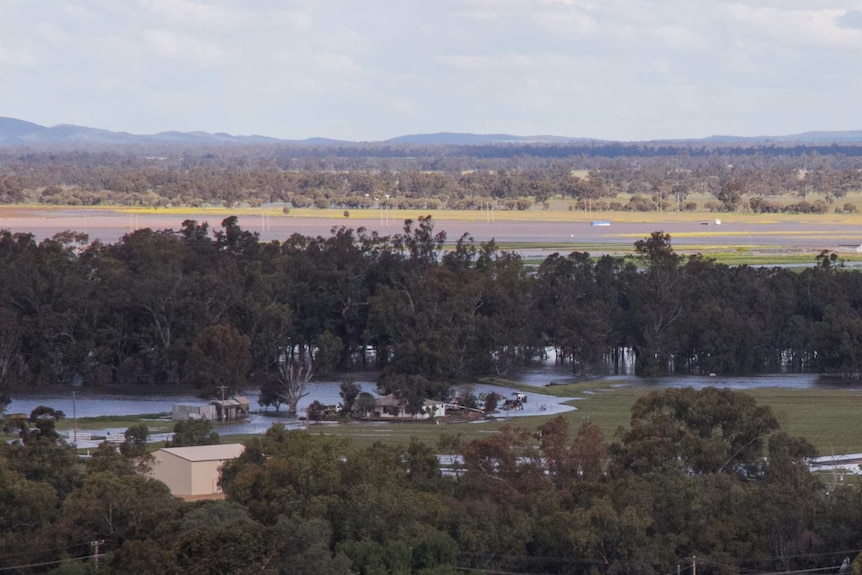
(193, 432)
(349, 392)
(135, 444)
(219, 361)
(117, 509)
(327, 354)
(657, 303)
(700, 431)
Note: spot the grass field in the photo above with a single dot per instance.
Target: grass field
(828, 418)
(156, 422)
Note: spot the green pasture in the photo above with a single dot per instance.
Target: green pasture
(828, 418)
(156, 422)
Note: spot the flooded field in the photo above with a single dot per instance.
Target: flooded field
(96, 402)
(806, 234)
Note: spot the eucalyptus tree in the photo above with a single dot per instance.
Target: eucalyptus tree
(656, 302)
(575, 315)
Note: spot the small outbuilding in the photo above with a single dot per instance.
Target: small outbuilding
(193, 471)
(181, 412)
(233, 409)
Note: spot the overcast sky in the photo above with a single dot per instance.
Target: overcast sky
(375, 69)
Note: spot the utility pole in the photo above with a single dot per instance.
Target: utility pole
(74, 421)
(95, 545)
(693, 565)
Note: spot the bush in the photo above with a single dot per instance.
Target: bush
(193, 432)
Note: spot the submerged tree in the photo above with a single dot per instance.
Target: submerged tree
(293, 378)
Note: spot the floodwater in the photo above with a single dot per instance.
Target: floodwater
(95, 402)
(109, 226)
(92, 402)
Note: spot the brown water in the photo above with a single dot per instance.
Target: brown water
(109, 226)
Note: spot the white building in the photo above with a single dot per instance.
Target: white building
(391, 407)
(193, 471)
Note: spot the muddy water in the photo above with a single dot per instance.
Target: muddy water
(109, 226)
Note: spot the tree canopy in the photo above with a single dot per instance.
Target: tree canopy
(697, 473)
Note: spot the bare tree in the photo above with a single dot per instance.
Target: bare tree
(10, 359)
(293, 377)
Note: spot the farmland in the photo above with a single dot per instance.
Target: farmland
(740, 238)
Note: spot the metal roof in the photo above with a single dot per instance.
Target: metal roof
(207, 452)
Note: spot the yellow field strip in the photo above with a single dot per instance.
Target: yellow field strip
(741, 234)
(531, 215)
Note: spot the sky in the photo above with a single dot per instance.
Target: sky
(367, 70)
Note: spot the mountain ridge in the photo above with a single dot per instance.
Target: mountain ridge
(15, 132)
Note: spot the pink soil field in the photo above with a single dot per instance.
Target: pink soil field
(109, 226)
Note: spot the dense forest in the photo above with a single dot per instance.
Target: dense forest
(700, 482)
(191, 307)
(637, 177)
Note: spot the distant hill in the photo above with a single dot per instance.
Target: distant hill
(466, 139)
(837, 137)
(14, 132)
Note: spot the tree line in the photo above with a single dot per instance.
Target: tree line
(594, 177)
(700, 480)
(223, 309)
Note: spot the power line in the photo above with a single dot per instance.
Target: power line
(833, 568)
(45, 564)
(39, 551)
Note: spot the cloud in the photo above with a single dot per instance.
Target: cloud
(466, 62)
(295, 19)
(404, 108)
(336, 62)
(182, 48)
(808, 27)
(850, 19)
(681, 38)
(187, 11)
(520, 61)
(50, 33)
(566, 18)
(19, 58)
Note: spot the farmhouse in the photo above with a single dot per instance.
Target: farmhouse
(391, 407)
(193, 471)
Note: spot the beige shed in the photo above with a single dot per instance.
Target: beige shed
(193, 471)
